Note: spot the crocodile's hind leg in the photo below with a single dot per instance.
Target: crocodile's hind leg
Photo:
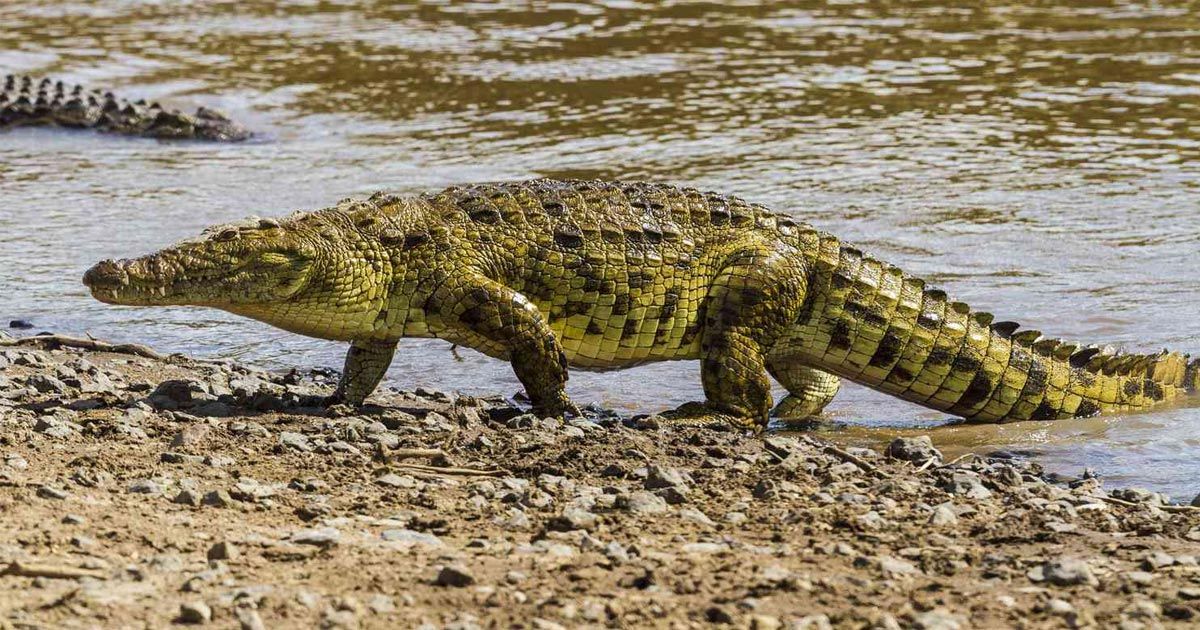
(756, 295)
(809, 389)
(483, 314)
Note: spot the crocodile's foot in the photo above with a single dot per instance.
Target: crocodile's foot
(697, 414)
(560, 408)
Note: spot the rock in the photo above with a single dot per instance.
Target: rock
(323, 537)
(937, 619)
(223, 550)
(673, 495)
(642, 502)
(573, 518)
(965, 483)
(456, 576)
(20, 324)
(196, 612)
(1065, 572)
(1195, 501)
(943, 516)
(217, 498)
(295, 441)
(46, 384)
(50, 492)
(892, 567)
(695, 516)
(915, 449)
(145, 486)
(408, 536)
(187, 497)
(190, 436)
(659, 477)
(1157, 560)
(392, 480)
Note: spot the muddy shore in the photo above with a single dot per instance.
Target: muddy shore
(143, 491)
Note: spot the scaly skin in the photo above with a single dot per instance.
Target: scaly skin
(25, 101)
(598, 275)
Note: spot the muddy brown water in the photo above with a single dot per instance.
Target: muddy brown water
(1037, 161)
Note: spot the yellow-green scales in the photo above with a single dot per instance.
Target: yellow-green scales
(603, 275)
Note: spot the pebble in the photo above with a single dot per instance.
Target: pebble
(1065, 572)
(913, 449)
(223, 550)
(943, 516)
(937, 619)
(408, 536)
(145, 486)
(457, 576)
(660, 477)
(194, 612)
(323, 537)
(642, 502)
(295, 441)
(49, 492)
(573, 518)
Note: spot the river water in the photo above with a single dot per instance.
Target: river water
(1038, 161)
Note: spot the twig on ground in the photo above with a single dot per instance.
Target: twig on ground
(29, 569)
(1165, 508)
(458, 472)
(850, 457)
(957, 460)
(929, 462)
(52, 341)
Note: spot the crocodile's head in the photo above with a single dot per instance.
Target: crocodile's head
(257, 262)
(205, 124)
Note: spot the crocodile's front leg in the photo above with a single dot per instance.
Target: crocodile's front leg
(366, 363)
(500, 322)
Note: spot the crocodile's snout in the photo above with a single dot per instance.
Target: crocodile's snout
(106, 274)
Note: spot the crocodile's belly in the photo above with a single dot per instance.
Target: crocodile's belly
(646, 316)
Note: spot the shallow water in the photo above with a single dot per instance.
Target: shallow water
(1039, 162)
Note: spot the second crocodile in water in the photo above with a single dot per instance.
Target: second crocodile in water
(601, 275)
(29, 102)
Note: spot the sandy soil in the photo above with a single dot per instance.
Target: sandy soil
(146, 492)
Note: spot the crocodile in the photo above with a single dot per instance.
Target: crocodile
(601, 275)
(27, 101)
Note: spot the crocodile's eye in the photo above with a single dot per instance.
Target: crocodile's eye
(228, 234)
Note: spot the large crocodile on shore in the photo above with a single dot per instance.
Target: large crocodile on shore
(600, 275)
(26, 101)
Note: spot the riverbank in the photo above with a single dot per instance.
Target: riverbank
(142, 490)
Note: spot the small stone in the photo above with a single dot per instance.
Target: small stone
(392, 480)
(190, 436)
(573, 518)
(1060, 607)
(642, 502)
(296, 441)
(456, 576)
(1068, 572)
(943, 516)
(217, 498)
(895, 567)
(1157, 560)
(967, 484)
(408, 536)
(187, 497)
(659, 477)
(324, 537)
(194, 613)
(145, 486)
(937, 619)
(695, 516)
(223, 550)
(20, 324)
(914, 449)
(49, 492)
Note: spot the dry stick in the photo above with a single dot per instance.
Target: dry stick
(86, 344)
(1165, 508)
(956, 460)
(28, 569)
(849, 457)
(430, 453)
(926, 465)
(466, 472)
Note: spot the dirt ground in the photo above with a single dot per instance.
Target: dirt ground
(145, 492)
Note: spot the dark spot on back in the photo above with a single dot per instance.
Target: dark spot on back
(1087, 409)
(940, 355)
(839, 337)
(1153, 390)
(928, 321)
(965, 363)
(977, 391)
(594, 329)
(1044, 412)
(888, 351)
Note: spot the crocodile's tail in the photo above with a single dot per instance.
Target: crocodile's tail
(869, 322)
